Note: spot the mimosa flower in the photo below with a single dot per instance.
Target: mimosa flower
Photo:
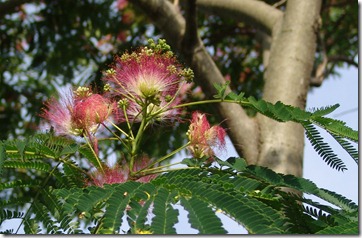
(91, 111)
(150, 79)
(78, 113)
(120, 173)
(204, 138)
(111, 175)
(59, 115)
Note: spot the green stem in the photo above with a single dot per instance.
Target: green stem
(115, 126)
(198, 102)
(145, 172)
(29, 153)
(117, 137)
(244, 103)
(94, 153)
(169, 170)
(136, 141)
(127, 121)
(165, 157)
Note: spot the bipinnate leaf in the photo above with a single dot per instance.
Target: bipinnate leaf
(322, 148)
(116, 207)
(202, 217)
(165, 215)
(349, 228)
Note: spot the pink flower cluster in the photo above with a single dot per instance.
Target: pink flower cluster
(204, 138)
(144, 84)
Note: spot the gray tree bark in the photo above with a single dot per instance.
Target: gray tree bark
(287, 80)
(293, 42)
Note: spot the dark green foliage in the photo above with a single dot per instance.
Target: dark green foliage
(8, 214)
(118, 202)
(323, 149)
(347, 146)
(202, 217)
(2, 158)
(165, 215)
(39, 156)
(350, 228)
(337, 127)
(319, 112)
(337, 199)
(250, 195)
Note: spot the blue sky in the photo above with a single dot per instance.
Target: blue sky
(342, 90)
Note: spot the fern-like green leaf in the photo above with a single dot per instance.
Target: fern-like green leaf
(253, 214)
(319, 112)
(91, 197)
(38, 165)
(18, 184)
(69, 199)
(350, 149)
(89, 154)
(221, 88)
(336, 127)
(8, 214)
(141, 207)
(165, 215)
(250, 195)
(43, 215)
(69, 149)
(73, 175)
(278, 111)
(300, 184)
(320, 215)
(337, 200)
(38, 146)
(322, 148)
(233, 163)
(202, 217)
(349, 228)
(235, 97)
(117, 204)
(264, 173)
(2, 158)
(31, 226)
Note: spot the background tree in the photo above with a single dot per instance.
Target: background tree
(273, 50)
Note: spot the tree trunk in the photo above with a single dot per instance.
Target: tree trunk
(287, 80)
(260, 140)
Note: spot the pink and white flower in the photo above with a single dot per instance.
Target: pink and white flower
(77, 113)
(204, 138)
(150, 81)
